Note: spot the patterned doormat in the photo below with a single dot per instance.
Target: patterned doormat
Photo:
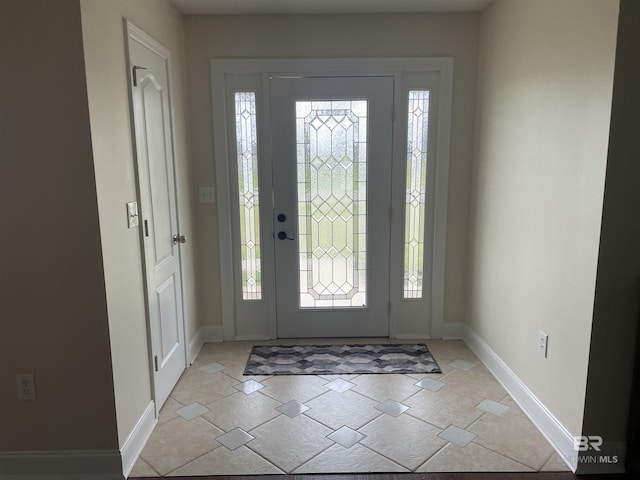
(340, 359)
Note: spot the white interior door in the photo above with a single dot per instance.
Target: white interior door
(331, 167)
(154, 145)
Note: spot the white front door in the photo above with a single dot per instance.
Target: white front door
(331, 169)
(161, 239)
(331, 179)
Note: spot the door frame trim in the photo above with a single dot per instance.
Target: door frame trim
(387, 66)
(134, 33)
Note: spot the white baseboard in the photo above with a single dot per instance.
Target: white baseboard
(206, 333)
(411, 336)
(453, 331)
(61, 465)
(136, 441)
(252, 338)
(559, 437)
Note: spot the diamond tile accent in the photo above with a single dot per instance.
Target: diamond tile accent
(249, 386)
(339, 385)
(192, 411)
(211, 368)
(346, 437)
(429, 384)
(457, 435)
(292, 408)
(393, 408)
(235, 438)
(462, 364)
(492, 407)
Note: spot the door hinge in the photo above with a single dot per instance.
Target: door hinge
(146, 228)
(389, 308)
(135, 69)
(155, 361)
(390, 214)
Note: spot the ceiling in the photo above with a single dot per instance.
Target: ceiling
(235, 7)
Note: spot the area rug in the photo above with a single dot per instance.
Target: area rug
(340, 359)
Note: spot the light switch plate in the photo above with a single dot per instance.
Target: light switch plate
(132, 214)
(207, 194)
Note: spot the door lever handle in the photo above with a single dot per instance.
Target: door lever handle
(282, 235)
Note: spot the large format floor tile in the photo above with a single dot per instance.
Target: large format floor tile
(294, 387)
(290, 442)
(215, 423)
(357, 459)
(179, 441)
(241, 410)
(513, 436)
(385, 387)
(404, 439)
(474, 384)
(349, 408)
(204, 388)
(472, 458)
(443, 408)
(222, 461)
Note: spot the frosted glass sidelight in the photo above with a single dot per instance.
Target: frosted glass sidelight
(248, 197)
(416, 190)
(331, 138)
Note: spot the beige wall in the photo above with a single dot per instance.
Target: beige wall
(53, 312)
(617, 309)
(309, 36)
(544, 100)
(104, 48)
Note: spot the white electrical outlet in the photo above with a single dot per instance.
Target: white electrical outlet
(26, 387)
(543, 338)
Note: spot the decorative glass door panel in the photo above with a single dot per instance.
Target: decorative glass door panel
(331, 139)
(331, 163)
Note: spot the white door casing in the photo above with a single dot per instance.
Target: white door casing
(408, 317)
(153, 133)
(339, 285)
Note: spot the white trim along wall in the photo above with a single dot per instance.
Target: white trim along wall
(552, 429)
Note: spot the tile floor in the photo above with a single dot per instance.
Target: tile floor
(219, 422)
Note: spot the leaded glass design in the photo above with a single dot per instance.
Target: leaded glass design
(331, 139)
(248, 197)
(416, 190)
